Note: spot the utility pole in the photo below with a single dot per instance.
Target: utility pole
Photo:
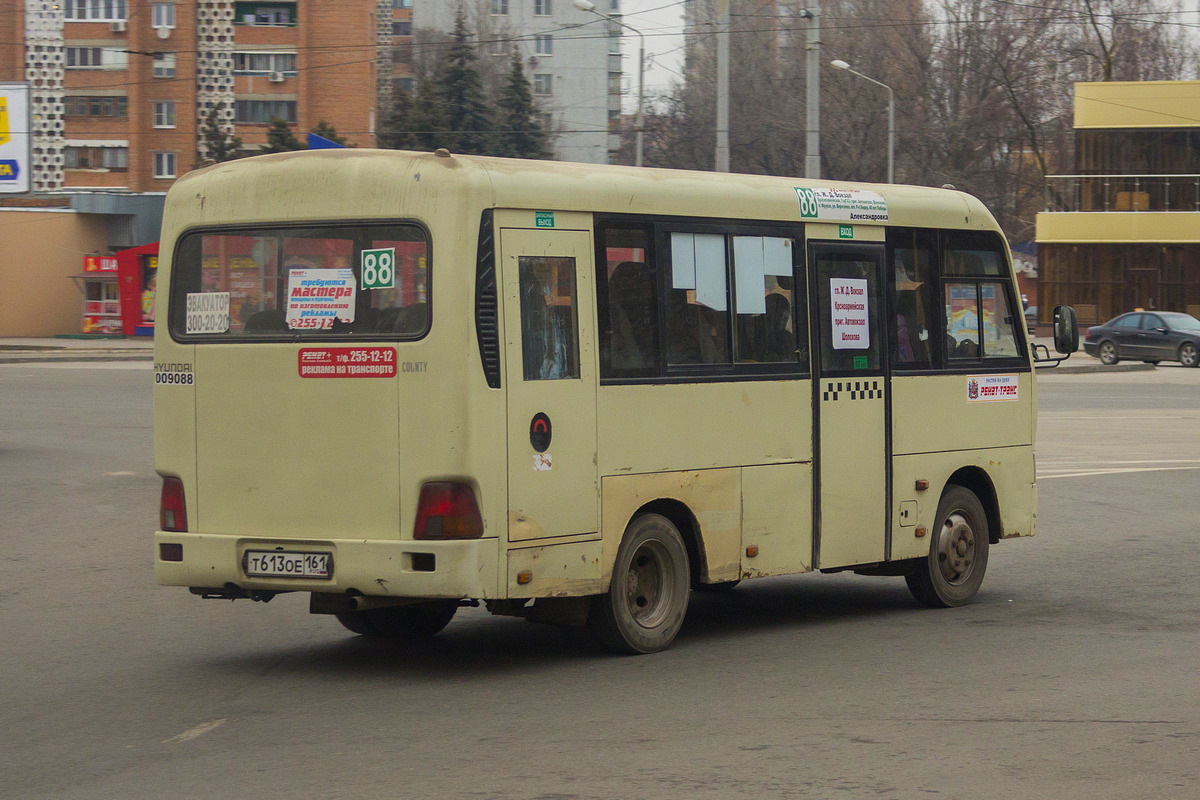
(812, 99)
(722, 155)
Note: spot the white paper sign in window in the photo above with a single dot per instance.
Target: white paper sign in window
(710, 271)
(317, 297)
(207, 312)
(748, 281)
(683, 261)
(848, 303)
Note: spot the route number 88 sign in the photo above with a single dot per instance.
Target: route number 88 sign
(379, 268)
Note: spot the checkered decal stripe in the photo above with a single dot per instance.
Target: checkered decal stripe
(858, 390)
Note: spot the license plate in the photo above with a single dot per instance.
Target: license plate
(287, 564)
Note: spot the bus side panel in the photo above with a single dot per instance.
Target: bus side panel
(777, 519)
(713, 497)
(686, 426)
(932, 413)
(1009, 469)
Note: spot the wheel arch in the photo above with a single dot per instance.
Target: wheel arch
(689, 529)
(980, 483)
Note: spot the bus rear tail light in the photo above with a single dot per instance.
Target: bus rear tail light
(172, 511)
(447, 510)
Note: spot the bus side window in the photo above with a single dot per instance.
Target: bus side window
(627, 300)
(913, 315)
(763, 267)
(697, 300)
(980, 313)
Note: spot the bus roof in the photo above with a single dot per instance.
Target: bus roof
(365, 183)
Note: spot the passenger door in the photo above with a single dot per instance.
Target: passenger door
(549, 309)
(851, 403)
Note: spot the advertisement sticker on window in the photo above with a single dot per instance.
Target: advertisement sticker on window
(207, 312)
(851, 328)
(317, 297)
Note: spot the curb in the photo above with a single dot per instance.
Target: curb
(1086, 369)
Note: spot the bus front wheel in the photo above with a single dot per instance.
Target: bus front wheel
(417, 621)
(648, 597)
(958, 552)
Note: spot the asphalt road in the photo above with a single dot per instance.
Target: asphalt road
(1074, 675)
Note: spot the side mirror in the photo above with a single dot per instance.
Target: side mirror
(1066, 330)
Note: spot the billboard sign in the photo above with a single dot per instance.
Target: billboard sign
(14, 138)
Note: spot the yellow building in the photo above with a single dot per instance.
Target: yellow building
(1123, 232)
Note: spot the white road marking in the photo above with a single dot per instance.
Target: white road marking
(199, 730)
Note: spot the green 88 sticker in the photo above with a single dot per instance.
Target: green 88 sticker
(379, 268)
(808, 203)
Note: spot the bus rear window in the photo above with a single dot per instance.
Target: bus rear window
(311, 282)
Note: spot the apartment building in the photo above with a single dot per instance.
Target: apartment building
(120, 89)
(1123, 231)
(571, 57)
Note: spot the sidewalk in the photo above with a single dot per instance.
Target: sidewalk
(24, 351)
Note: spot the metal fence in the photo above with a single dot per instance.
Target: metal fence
(1123, 192)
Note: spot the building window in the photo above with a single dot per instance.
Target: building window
(110, 158)
(95, 106)
(95, 10)
(95, 58)
(401, 3)
(614, 83)
(164, 65)
(543, 44)
(264, 63)
(542, 8)
(542, 83)
(614, 42)
(164, 165)
(264, 14)
(402, 27)
(164, 15)
(500, 7)
(263, 111)
(406, 84)
(164, 114)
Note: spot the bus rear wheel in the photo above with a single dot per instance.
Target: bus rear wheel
(958, 553)
(411, 622)
(648, 598)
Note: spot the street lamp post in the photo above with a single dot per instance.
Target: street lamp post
(585, 5)
(839, 64)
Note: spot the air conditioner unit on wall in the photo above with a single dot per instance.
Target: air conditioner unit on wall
(117, 26)
(275, 77)
(163, 31)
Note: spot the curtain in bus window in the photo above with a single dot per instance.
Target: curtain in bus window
(762, 267)
(549, 344)
(697, 301)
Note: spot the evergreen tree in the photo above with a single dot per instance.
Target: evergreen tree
(327, 131)
(216, 144)
(280, 138)
(460, 91)
(427, 120)
(396, 131)
(519, 132)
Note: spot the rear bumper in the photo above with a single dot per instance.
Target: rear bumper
(1091, 348)
(455, 569)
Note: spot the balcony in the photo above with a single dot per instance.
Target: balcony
(1156, 193)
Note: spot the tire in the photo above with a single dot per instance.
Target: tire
(406, 623)
(1189, 355)
(648, 598)
(1108, 353)
(958, 553)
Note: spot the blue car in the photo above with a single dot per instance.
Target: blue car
(1150, 336)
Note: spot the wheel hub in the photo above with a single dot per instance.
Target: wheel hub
(956, 554)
